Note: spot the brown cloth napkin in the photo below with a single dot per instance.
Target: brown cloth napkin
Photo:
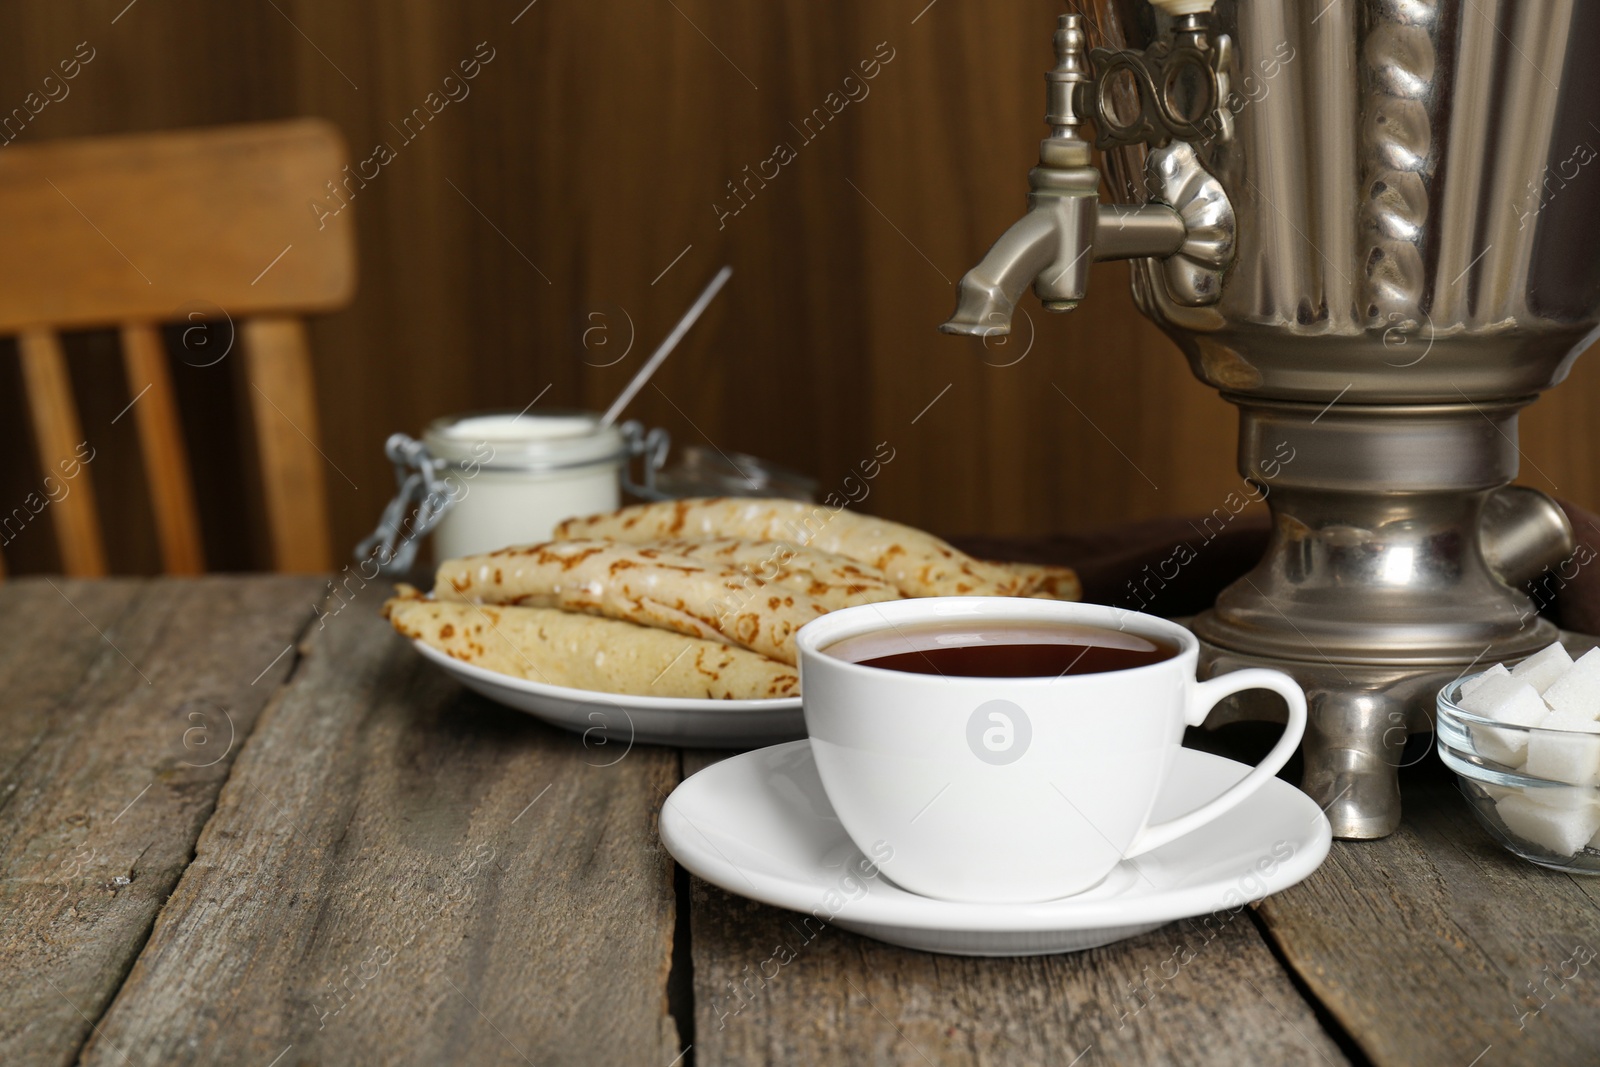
(1129, 565)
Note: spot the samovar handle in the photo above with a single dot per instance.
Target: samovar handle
(1522, 533)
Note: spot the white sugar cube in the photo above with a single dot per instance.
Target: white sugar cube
(1542, 668)
(1572, 756)
(1565, 824)
(1508, 700)
(1569, 719)
(1578, 688)
(1594, 842)
(1497, 671)
(1508, 747)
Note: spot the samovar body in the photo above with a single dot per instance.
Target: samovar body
(1374, 226)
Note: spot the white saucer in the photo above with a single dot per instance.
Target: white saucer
(759, 825)
(609, 718)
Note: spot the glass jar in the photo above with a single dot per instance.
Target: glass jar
(700, 471)
(485, 480)
(513, 477)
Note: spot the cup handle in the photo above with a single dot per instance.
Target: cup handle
(1202, 699)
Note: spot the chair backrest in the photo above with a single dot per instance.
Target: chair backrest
(131, 232)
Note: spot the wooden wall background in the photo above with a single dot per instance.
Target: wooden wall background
(578, 179)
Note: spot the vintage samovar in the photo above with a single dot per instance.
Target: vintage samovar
(1374, 226)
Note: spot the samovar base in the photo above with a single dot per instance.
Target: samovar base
(1359, 717)
(1397, 563)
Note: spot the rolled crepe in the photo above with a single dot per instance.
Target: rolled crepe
(1048, 582)
(714, 601)
(585, 652)
(834, 581)
(918, 563)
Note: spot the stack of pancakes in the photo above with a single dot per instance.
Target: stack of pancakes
(689, 598)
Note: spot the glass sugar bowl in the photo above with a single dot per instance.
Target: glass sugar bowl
(1554, 823)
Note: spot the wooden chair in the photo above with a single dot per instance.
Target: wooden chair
(129, 232)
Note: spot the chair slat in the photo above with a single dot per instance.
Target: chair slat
(58, 434)
(278, 366)
(166, 459)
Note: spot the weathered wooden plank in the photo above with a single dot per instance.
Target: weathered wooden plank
(771, 989)
(1435, 946)
(401, 872)
(45, 650)
(125, 703)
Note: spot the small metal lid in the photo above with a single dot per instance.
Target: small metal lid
(518, 441)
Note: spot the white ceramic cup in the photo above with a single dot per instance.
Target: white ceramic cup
(1012, 790)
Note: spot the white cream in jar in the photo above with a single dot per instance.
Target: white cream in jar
(514, 477)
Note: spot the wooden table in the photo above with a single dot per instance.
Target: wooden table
(233, 833)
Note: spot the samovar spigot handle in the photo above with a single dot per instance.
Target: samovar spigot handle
(1062, 80)
(1067, 229)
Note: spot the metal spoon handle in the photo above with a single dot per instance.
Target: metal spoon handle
(659, 356)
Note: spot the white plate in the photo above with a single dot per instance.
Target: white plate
(759, 825)
(612, 718)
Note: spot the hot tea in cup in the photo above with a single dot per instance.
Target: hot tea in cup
(1003, 650)
(1010, 750)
